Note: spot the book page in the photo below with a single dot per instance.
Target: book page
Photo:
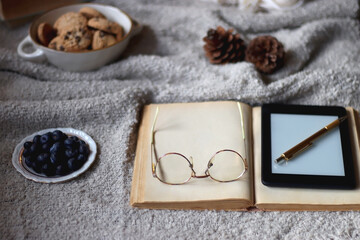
(198, 130)
(301, 198)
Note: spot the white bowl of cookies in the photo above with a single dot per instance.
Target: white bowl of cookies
(80, 37)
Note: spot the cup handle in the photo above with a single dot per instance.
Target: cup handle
(137, 27)
(36, 56)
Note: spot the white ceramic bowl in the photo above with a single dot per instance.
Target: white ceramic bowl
(39, 177)
(79, 61)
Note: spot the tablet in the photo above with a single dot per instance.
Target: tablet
(327, 163)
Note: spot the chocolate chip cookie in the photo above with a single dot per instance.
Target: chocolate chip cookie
(70, 20)
(102, 39)
(106, 26)
(83, 31)
(89, 12)
(57, 43)
(45, 33)
(74, 40)
(78, 38)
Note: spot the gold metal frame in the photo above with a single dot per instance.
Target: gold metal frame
(154, 164)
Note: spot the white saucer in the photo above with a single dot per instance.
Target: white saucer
(30, 174)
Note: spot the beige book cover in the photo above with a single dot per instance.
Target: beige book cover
(199, 130)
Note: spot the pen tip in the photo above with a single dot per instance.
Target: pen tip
(279, 159)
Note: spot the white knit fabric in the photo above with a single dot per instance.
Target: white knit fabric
(166, 63)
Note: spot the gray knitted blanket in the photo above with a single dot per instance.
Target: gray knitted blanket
(166, 63)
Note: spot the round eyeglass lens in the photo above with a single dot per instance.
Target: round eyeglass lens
(227, 166)
(173, 168)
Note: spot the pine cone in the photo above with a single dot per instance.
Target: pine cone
(224, 46)
(267, 53)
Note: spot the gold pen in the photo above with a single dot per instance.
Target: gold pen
(286, 156)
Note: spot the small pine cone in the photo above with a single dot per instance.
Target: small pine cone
(223, 46)
(267, 53)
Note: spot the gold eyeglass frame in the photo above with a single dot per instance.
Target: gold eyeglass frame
(209, 165)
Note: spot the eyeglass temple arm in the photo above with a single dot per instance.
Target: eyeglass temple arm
(153, 141)
(242, 127)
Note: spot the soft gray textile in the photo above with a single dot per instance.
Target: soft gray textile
(166, 63)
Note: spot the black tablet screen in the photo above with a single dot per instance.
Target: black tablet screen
(327, 163)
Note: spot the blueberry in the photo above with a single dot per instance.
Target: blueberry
(26, 152)
(35, 148)
(56, 147)
(81, 158)
(70, 153)
(28, 161)
(43, 158)
(69, 142)
(83, 149)
(48, 169)
(36, 167)
(81, 142)
(55, 158)
(73, 164)
(46, 147)
(27, 145)
(58, 135)
(61, 170)
(45, 138)
(74, 138)
(36, 139)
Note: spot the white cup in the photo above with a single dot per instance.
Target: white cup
(79, 61)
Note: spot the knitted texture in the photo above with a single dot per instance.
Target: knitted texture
(166, 63)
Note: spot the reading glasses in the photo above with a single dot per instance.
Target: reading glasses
(174, 168)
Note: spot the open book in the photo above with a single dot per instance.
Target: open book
(201, 129)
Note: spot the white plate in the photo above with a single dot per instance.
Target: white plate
(30, 174)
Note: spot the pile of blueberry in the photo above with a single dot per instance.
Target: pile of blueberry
(55, 153)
